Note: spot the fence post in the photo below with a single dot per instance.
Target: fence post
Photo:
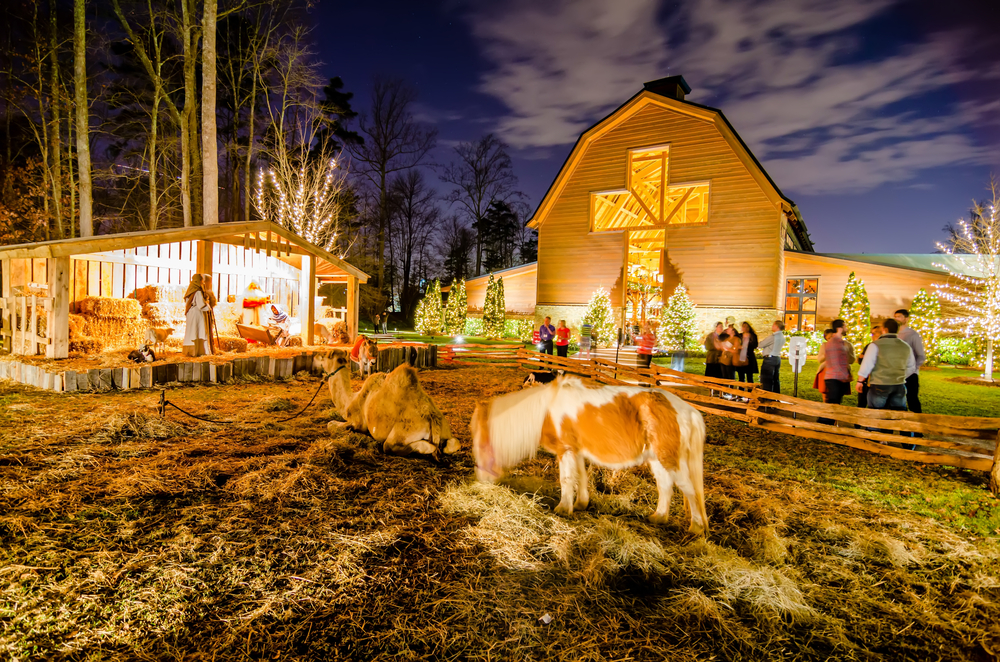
(995, 470)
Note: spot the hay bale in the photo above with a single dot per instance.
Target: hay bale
(85, 346)
(227, 316)
(77, 326)
(338, 333)
(159, 294)
(109, 307)
(30, 290)
(117, 332)
(294, 341)
(229, 344)
(164, 315)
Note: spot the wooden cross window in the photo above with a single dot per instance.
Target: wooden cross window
(800, 304)
(648, 199)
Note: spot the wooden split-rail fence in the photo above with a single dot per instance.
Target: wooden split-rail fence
(959, 441)
(472, 354)
(394, 355)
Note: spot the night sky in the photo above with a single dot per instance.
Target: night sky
(881, 120)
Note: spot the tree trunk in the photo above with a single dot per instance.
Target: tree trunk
(55, 138)
(479, 247)
(209, 142)
(249, 161)
(188, 146)
(988, 373)
(383, 202)
(82, 119)
(154, 202)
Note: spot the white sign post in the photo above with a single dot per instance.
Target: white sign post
(797, 358)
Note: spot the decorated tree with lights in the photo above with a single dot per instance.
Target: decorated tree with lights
(600, 317)
(456, 310)
(430, 313)
(678, 327)
(494, 313)
(925, 319)
(973, 288)
(856, 313)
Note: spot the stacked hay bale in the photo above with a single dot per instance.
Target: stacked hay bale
(336, 331)
(79, 341)
(163, 306)
(117, 323)
(229, 344)
(227, 316)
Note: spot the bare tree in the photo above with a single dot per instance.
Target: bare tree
(82, 118)
(394, 141)
(415, 216)
(209, 142)
(482, 176)
(455, 246)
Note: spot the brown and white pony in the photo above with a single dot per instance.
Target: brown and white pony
(612, 426)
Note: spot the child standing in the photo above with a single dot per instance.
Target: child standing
(586, 338)
(562, 339)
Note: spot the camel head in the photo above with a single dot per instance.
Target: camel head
(336, 366)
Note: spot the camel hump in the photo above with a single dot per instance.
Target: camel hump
(406, 375)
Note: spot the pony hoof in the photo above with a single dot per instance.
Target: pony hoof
(697, 530)
(581, 505)
(659, 519)
(452, 447)
(565, 511)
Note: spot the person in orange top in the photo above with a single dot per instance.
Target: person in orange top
(562, 339)
(646, 342)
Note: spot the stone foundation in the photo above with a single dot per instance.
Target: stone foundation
(760, 318)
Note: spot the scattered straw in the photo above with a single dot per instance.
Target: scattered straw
(121, 428)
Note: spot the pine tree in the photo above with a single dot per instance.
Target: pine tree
(430, 312)
(601, 318)
(457, 309)
(678, 326)
(856, 313)
(494, 317)
(925, 319)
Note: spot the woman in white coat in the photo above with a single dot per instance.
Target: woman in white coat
(198, 303)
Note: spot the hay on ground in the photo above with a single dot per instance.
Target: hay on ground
(137, 425)
(85, 346)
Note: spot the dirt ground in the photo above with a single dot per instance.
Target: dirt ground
(125, 536)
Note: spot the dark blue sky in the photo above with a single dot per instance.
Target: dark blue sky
(881, 119)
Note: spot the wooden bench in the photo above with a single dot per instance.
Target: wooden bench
(255, 334)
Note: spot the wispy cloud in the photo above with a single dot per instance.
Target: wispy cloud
(789, 74)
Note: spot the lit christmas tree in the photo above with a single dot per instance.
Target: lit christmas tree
(678, 330)
(430, 312)
(601, 318)
(925, 319)
(494, 317)
(457, 309)
(975, 300)
(856, 313)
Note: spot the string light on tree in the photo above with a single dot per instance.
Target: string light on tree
(430, 312)
(925, 319)
(457, 309)
(494, 309)
(856, 312)
(973, 290)
(600, 317)
(678, 325)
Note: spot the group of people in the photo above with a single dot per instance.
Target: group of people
(547, 336)
(888, 376)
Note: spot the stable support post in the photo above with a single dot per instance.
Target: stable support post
(353, 303)
(203, 259)
(58, 331)
(307, 299)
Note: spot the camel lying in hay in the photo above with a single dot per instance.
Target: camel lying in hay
(392, 408)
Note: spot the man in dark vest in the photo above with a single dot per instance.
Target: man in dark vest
(888, 362)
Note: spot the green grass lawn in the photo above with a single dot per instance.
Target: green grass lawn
(939, 392)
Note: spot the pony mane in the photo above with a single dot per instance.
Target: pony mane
(515, 423)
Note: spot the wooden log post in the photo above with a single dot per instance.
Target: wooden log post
(995, 470)
(353, 305)
(203, 259)
(58, 325)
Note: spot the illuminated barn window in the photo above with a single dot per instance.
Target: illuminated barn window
(800, 304)
(648, 200)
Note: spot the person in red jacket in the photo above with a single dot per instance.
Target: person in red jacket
(646, 342)
(562, 339)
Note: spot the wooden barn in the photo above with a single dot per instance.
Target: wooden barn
(664, 190)
(43, 283)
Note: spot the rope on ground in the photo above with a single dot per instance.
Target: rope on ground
(164, 403)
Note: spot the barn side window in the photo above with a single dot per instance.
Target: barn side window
(800, 304)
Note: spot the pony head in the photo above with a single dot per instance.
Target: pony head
(508, 429)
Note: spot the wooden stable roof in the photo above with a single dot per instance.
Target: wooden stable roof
(256, 235)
